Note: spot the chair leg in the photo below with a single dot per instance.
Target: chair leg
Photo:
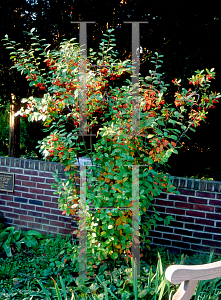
(186, 290)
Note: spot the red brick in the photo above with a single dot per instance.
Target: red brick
(37, 179)
(28, 195)
(161, 228)
(181, 245)
(204, 222)
(217, 209)
(218, 196)
(54, 223)
(163, 195)
(22, 177)
(162, 242)
(48, 204)
(16, 193)
(186, 192)
(203, 235)
(41, 220)
(26, 206)
(43, 186)
(17, 182)
(3, 169)
(193, 227)
(191, 240)
(2, 202)
(203, 207)
(178, 197)
(30, 172)
(5, 208)
(216, 237)
(64, 230)
(183, 232)
(27, 218)
(50, 180)
(50, 217)
(171, 237)
(55, 199)
(160, 208)
(50, 228)
(176, 224)
(205, 195)
(35, 225)
(45, 174)
(14, 204)
(6, 197)
(56, 212)
(215, 202)
(175, 211)
(16, 171)
(43, 197)
(11, 215)
(29, 183)
(211, 243)
(213, 230)
(183, 205)
(218, 224)
(36, 191)
(185, 219)
(195, 213)
(197, 200)
(68, 219)
(22, 188)
(19, 222)
(50, 193)
(200, 248)
(164, 203)
(34, 213)
(213, 216)
(43, 209)
(20, 211)
(67, 225)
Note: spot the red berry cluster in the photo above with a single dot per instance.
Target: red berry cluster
(41, 86)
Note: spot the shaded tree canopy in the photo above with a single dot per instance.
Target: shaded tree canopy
(186, 33)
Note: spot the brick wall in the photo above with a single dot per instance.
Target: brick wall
(33, 205)
(197, 214)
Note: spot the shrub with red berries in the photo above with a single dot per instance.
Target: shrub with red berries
(113, 112)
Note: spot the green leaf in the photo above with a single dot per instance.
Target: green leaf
(43, 289)
(35, 233)
(32, 83)
(7, 249)
(3, 237)
(143, 293)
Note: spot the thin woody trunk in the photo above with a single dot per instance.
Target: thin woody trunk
(14, 132)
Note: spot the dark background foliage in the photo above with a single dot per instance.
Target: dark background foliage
(186, 33)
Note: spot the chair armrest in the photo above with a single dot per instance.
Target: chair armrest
(178, 273)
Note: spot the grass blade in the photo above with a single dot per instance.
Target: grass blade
(106, 288)
(57, 289)
(63, 288)
(43, 289)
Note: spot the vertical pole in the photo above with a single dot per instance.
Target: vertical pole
(135, 220)
(14, 127)
(135, 131)
(82, 259)
(82, 78)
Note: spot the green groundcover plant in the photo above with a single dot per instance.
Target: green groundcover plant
(54, 76)
(49, 270)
